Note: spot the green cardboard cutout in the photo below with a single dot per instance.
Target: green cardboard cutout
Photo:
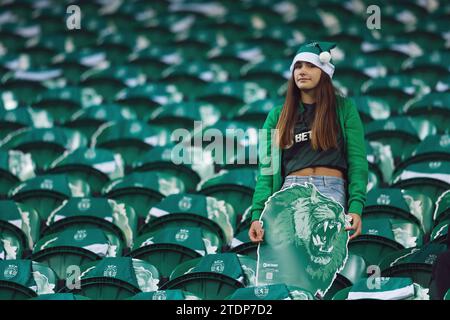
(305, 242)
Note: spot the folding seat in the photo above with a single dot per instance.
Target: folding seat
(116, 279)
(62, 103)
(162, 160)
(434, 107)
(443, 84)
(108, 81)
(381, 237)
(401, 133)
(108, 215)
(155, 59)
(44, 144)
(92, 26)
(254, 114)
(45, 193)
(395, 89)
(19, 229)
(233, 56)
(15, 166)
(24, 279)
(175, 294)
(123, 19)
(384, 288)
(213, 277)
(142, 190)
(430, 178)
(75, 64)
(118, 45)
(415, 263)
(11, 39)
(96, 167)
(146, 98)
(271, 292)
(270, 74)
(440, 231)
(235, 187)
(391, 54)
(429, 67)
(158, 29)
(337, 9)
(60, 296)
(411, 206)
(88, 120)
(168, 247)
(19, 118)
(241, 244)
(75, 246)
(27, 85)
(355, 70)
(307, 21)
(42, 49)
(432, 148)
(192, 78)
(130, 138)
(51, 19)
(231, 95)
(193, 210)
(355, 269)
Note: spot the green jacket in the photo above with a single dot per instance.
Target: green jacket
(358, 169)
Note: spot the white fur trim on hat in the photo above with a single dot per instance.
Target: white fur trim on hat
(313, 58)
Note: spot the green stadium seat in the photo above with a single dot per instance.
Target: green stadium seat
(442, 208)
(216, 276)
(254, 114)
(381, 162)
(142, 190)
(390, 54)
(47, 192)
(429, 67)
(270, 74)
(155, 59)
(434, 107)
(94, 166)
(232, 57)
(88, 120)
(271, 292)
(415, 263)
(75, 64)
(24, 279)
(166, 248)
(60, 296)
(159, 159)
(15, 166)
(401, 133)
(11, 40)
(165, 295)
(430, 178)
(372, 108)
(61, 103)
(101, 213)
(130, 138)
(381, 237)
(117, 279)
(192, 79)
(395, 89)
(235, 187)
(19, 118)
(145, 99)
(44, 144)
(231, 95)
(108, 81)
(27, 85)
(192, 210)
(19, 230)
(118, 45)
(432, 148)
(412, 206)
(75, 247)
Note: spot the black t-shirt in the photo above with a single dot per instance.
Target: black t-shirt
(301, 155)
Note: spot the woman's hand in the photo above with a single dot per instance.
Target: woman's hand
(356, 225)
(256, 232)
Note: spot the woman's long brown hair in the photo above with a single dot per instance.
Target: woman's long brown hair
(324, 129)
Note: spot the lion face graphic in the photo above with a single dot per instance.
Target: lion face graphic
(306, 230)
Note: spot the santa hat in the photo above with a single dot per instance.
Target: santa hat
(318, 53)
